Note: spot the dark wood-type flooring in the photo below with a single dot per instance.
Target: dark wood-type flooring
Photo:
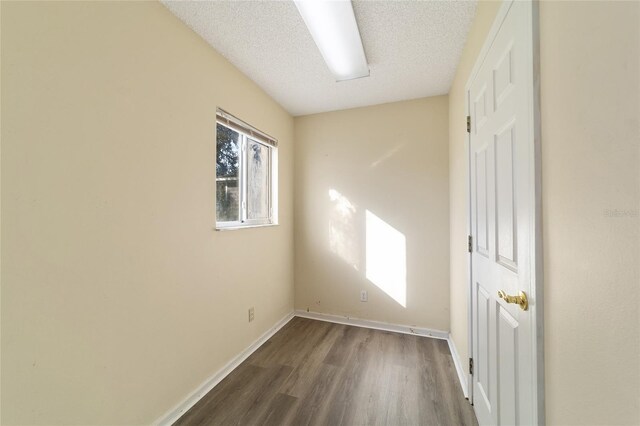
(319, 373)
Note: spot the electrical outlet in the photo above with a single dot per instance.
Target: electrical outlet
(251, 314)
(364, 296)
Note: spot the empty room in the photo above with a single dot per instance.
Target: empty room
(320, 212)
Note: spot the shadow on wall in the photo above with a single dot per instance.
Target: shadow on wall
(385, 256)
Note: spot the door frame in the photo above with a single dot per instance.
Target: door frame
(536, 255)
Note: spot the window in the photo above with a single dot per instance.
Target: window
(246, 166)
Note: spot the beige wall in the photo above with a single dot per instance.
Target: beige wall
(590, 95)
(458, 175)
(590, 81)
(118, 298)
(391, 161)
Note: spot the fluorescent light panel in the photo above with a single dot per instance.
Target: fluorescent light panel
(333, 27)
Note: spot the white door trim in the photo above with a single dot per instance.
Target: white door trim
(537, 295)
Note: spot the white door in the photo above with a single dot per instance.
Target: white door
(502, 185)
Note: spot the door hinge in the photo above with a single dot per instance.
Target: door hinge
(468, 124)
(470, 244)
(471, 366)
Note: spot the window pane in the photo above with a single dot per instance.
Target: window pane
(257, 181)
(227, 174)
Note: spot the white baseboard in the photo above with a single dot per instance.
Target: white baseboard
(174, 414)
(397, 328)
(462, 375)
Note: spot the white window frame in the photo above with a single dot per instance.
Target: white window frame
(248, 133)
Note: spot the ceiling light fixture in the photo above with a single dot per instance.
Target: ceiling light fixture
(333, 27)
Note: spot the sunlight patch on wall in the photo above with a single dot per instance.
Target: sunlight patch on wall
(386, 156)
(387, 258)
(343, 239)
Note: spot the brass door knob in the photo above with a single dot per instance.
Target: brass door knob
(521, 299)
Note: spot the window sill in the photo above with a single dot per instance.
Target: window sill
(237, 227)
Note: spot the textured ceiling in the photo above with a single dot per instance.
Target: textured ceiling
(412, 47)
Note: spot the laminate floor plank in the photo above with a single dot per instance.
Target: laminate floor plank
(319, 373)
(255, 408)
(310, 360)
(402, 397)
(343, 347)
(281, 410)
(351, 384)
(315, 406)
(224, 394)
